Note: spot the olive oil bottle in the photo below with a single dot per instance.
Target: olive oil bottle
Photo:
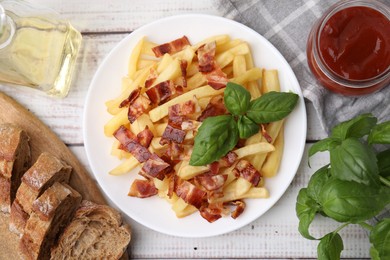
(36, 48)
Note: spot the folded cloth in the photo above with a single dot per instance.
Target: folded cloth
(286, 24)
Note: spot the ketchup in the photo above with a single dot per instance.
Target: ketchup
(355, 43)
(352, 49)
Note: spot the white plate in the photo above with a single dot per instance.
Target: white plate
(154, 212)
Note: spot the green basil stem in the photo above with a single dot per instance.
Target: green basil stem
(341, 227)
(365, 226)
(384, 181)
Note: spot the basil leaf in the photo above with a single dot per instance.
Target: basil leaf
(216, 137)
(272, 106)
(326, 144)
(246, 127)
(384, 163)
(330, 247)
(380, 238)
(348, 201)
(354, 161)
(356, 127)
(317, 181)
(236, 98)
(306, 209)
(380, 134)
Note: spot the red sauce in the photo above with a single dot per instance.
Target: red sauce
(348, 49)
(355, 43)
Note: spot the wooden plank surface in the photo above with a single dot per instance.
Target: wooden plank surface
(274, 235)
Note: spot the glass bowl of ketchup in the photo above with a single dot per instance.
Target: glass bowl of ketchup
(348, 48)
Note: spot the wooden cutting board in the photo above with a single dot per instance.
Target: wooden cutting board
(42, 139)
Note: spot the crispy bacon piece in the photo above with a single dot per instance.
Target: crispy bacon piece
(172, 134)
(145, 137)
(130, 143)
(210, 181)
(179, 112)
(155, 167)
(214, 167)
(206, 57)
(246, 170)
(215, 107)
(151, 78)
(190, 125)
(210, 214)
(161, 92)
(142, 189)
(183, 78)
(265, 134)
(240, 207)
(217, 79)
(228, 160)
(132, 97)
(171, 47)
(139, 106)
(191, 194)
(178, 152)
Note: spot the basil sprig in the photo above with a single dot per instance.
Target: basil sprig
(219, 134)
(353, 188)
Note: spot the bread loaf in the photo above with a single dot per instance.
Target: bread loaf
(15, 158)
(47, 170)
(51, 213)
(96, 232)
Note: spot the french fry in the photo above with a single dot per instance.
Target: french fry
(272, 162)
(224, 59)
(270, 81)
(165, 61)
(227, 45)
(156, 143)
(252, 86)
(239, 65)
(119, 119)
(187, 171)
(242, 186)
(256, 148)
(196, 81)
(249, 75)
(219, 39)
(125, 167)
(230, 193)
(113, 105)
(126, 82)
(143, 121)
(162, 111)
(132, 65)
(119, 153)
(143, 63)
(172, 71)
(160, 128)
(147, 48)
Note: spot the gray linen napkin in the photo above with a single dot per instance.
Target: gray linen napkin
(286, 24)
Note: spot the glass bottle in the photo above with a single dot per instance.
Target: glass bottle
(37, 49)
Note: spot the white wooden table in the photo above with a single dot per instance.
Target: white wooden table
(274, 235)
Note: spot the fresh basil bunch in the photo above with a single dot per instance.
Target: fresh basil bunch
(219, 134)
(353, 188)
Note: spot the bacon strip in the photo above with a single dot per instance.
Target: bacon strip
(155, 167)
(240, 207)
(179, 112)
(139, 106)
(206, 57)
(228, 160)
(145, 137)
(142, 189)
(130, 143)
(132, 97)
(246, 170)
(265, 134)
(210, 214)
(211, 182)
(161, 92)
(171, 47)
(214, 108)
(151, 77)
(172, 134)
(191, 194)
(217, 79)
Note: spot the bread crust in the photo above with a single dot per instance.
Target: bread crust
(52, 212)
(15, 158)
(99, 229)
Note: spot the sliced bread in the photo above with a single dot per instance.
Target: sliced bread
(51, 213)
(15, 158)
(47, 170)
(96, 232)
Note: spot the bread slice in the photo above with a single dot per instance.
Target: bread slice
(52, 212)
(15, 158)
(96, 232)
(45, 171)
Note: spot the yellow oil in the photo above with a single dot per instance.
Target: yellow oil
(41, 55)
